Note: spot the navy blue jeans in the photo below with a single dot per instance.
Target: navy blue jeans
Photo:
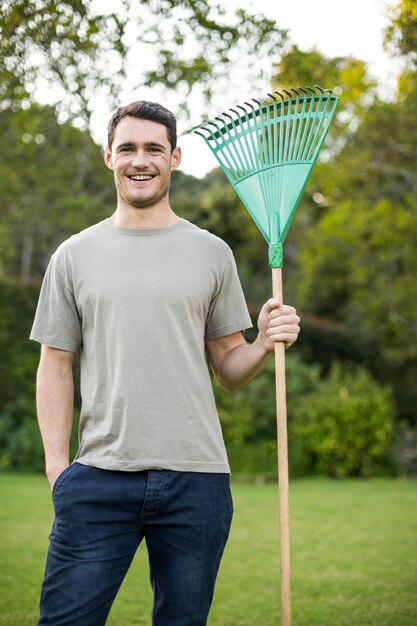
(101, 516)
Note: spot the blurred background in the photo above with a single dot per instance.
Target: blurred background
(350, 256)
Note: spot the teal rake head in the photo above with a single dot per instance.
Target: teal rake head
(268, 151)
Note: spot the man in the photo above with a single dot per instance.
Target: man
(144, 296)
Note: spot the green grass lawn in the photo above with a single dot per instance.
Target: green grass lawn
(354, 556)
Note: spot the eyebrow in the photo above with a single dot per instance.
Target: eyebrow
(148, 144)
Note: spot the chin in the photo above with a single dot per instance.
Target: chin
(139, 203)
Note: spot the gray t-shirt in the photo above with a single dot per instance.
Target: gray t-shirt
(138, 305)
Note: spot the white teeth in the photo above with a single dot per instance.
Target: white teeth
(140, 177)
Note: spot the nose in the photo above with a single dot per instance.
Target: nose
(139, 159)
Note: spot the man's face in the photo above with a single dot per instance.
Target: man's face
(142, 162)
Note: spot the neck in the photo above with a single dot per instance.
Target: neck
(151, 217)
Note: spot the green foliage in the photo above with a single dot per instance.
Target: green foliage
(52, 183)
(20, 442)
(363, 249)
(249, 414)
(213, 204)
(346, 76)
(339, 424)
(59, 42)
(401, 34)
(403, 450)
(87, 47)
(19, 356)
(345, 424)
(21, 446)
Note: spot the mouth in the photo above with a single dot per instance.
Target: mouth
(141, 178)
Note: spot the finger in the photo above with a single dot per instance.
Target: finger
(287, 338)
(271, 305)
(280, 331)
(284, 320)
(284, 309)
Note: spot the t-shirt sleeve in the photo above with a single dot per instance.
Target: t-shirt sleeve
(57, 322)
(228, 312)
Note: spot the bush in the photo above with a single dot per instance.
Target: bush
(249, 414)
(21, 447)
(343, 427)
(404, 450)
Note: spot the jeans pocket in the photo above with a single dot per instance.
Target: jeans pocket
(228, 494)
(58, 482)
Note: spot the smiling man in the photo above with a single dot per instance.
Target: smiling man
(147, 298)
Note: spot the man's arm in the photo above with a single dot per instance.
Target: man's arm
(235, 362)
(55, 405)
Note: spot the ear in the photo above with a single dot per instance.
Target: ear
(108, 159)
(175, 158)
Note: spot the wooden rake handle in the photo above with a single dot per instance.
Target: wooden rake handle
(282, 440)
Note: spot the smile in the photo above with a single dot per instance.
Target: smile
(141, 177)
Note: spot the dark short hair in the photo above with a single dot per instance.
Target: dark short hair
(146, 111)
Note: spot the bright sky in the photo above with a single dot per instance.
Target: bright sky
(335, 27)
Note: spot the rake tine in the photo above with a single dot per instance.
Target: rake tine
(216, 127)
(220, 119)
(287, 130)
(226, 151)
(252, 113)
(225, 127)
(197, 132)
(314, 143)
(235, 112)
(246, 162)
(240, 106)
(329, 91)
(297, 126)
(317, 99)
(322, 127)
(235, 149)
(230, 125)
(262, 141)
(250, 148)
(294, 128)
(232, 171)
(279, 94)
(217, 135)
(209, 131)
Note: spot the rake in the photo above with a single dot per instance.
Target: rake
(267, 151)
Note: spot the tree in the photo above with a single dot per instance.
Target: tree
(401, 34)
(82, 48)
(346, 76)
(52, 183)
(354, 238)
